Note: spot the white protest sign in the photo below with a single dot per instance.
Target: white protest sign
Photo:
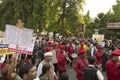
(22, 37)
(99, 37)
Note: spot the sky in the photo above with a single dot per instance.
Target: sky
(0, 1)
(96, 6)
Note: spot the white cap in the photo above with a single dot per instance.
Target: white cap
(48, 54)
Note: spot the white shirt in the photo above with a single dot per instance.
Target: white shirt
(40, 66)
(102, 44)
(99, 74)
(39, 69)
(92, 50)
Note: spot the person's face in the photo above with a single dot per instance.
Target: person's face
(50, 45)
(56, 46)
(48, 58)
(116, 58)
(12, 60)
(32, 73)
(61, 50)
(99, 49)
(83, 56)
(7, 61)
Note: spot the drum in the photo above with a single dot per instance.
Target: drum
(74, 55)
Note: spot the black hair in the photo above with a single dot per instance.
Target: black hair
(46, 67)
(91, 59)
(10, 56)
(64, 76)
(18, 66)
(24, 69)
(29, 56)
(22, 57)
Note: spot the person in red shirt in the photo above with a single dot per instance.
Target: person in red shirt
(80, 64)
(4, 69)
(81, 47)
(112, 66)
(99, 55)
(61, 57)
(70, 50)
(28, 59)
(49, 47)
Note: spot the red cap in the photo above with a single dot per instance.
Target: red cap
(81, 44)
(62, 47)
(99, 47)
(49, 42)
(81, 52)
(116, 53)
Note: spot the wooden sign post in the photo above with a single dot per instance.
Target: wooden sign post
(19, 25)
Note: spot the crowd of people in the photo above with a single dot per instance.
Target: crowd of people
(51, 59)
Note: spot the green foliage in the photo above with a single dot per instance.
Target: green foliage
(88, 25)
(100, 22)
(61, 16)
(116, 10)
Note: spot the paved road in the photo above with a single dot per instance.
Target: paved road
(72, 74)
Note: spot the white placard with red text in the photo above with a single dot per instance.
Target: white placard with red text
(22, 37)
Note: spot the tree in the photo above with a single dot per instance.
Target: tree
(88, 22)
(6, 13)
(61, 16)
(116, 10)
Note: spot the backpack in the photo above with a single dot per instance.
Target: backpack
(94, 51)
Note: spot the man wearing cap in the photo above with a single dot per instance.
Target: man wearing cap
(99, 54)
(61, 57)
(80, 64)
(70, 50)
(47, 60)
(49, 47)
(81, 48)
(112, 68)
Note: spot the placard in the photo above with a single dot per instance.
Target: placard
(23, 38)
(99, 37)
(4, 49)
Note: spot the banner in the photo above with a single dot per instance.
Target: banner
(99, 37)
(50, 34)
(4, 49)
(19, 39)
(114, 25)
